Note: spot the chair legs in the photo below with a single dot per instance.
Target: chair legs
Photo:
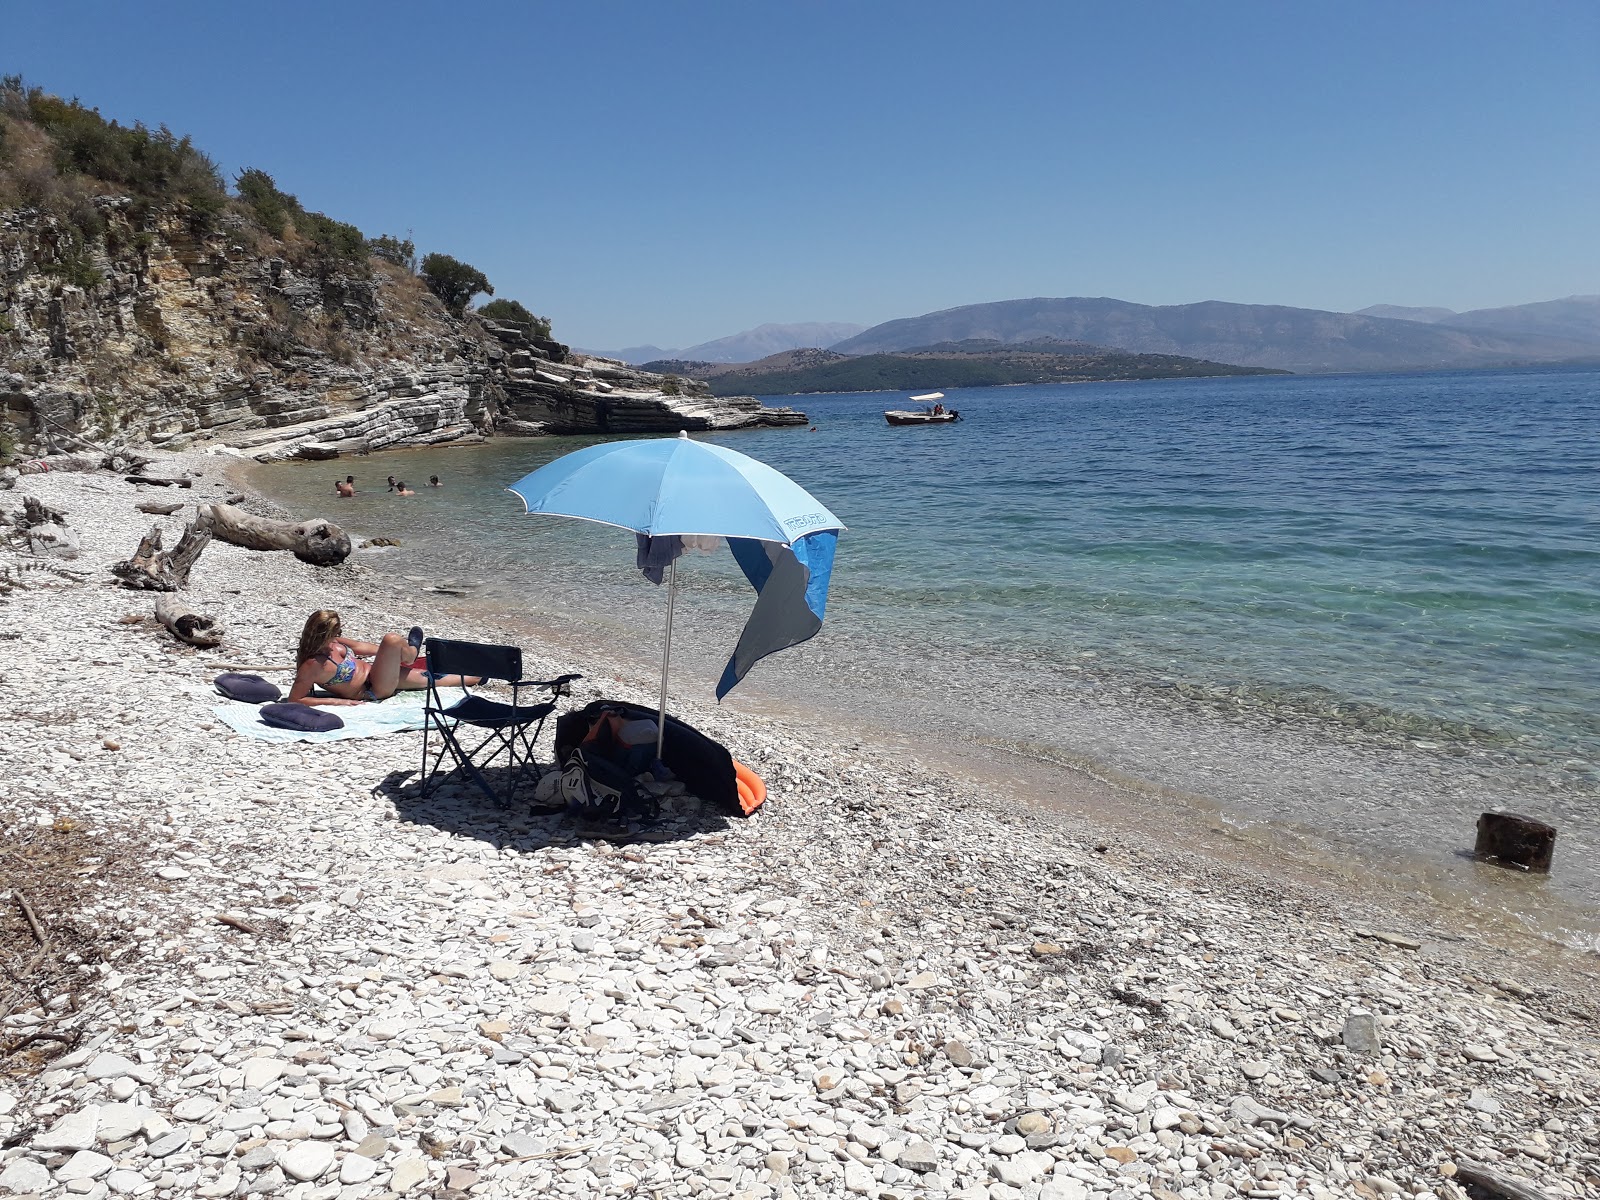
(513, 743)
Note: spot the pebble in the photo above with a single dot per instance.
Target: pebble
(407, 1173)
(75, 1131)
(22, 1176)
(356, 1168)
(168, 1143)
(85, 1164)
(307, 1160)
(1361, 1033)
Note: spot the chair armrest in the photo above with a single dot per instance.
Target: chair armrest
(559, 681)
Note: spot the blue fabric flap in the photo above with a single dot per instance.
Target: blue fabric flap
(792, 586)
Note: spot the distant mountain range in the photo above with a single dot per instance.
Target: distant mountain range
(1262, 335)
(1384, 337)
(1577, 318)
(753, 344)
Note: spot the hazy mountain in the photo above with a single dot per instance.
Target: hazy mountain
(766, 340)
(761, 342)
(633, 355)
(1577, 318)
(1257, 335)
(1399, 312)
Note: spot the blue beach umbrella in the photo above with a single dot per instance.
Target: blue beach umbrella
(666, 489)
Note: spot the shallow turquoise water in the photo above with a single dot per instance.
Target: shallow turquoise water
(1402, 568)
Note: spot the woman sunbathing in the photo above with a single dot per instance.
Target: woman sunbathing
(337, 664)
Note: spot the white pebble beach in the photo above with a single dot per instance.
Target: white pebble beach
(891, 981)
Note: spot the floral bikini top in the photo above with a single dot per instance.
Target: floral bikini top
(345, 671)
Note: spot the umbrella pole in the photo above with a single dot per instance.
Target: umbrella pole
(666, 657)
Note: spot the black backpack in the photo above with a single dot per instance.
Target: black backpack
(598, 789)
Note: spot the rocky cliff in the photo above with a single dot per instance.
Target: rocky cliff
(165, 332)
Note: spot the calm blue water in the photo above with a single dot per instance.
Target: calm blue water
(1399, 572)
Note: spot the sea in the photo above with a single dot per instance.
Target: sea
(1335, 616)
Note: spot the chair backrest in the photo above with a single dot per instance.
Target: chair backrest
(447, 657)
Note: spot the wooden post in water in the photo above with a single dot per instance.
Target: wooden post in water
(1516, 841)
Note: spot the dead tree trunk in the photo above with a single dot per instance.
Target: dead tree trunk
(318, 542)
(157, 509)
(1481, 1181)
(153, 569)
(1519, 841)
(186, 624)
(142, 570)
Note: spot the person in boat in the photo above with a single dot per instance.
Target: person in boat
(328, 660)
(938, 410)
(345, 487)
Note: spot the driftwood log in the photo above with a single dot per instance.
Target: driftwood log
(187, 625)
(1518, 841)
(318, 542)
(44, 530)
(155, 570)
(1485, 1184)
(157, 509)
(159, 481)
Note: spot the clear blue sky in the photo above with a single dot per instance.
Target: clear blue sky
(668, 173)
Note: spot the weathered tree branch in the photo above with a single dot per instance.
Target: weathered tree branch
(1483, 1182)
(318, 542)
(187, 625)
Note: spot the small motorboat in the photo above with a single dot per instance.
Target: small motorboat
(936, 414)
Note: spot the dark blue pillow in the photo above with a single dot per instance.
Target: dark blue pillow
(300, 716)
(252, 689)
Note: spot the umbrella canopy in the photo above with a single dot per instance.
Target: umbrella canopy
(661, 486)
(667, 488)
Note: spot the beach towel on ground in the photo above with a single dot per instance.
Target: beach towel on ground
(397, 714)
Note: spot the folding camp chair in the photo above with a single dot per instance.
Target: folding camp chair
(505, 727)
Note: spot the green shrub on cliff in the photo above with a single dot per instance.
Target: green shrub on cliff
(454, 282)
(154, 165)
(332, 246)
(517, 312)
(270, 207)
(402, 254)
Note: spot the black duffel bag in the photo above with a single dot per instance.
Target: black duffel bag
(702, 764)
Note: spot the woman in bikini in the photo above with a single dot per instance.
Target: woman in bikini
(328, 660)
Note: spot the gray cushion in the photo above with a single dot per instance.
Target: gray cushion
(300, 716)
(252, 689)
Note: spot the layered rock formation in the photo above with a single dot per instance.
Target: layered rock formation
(156, 333)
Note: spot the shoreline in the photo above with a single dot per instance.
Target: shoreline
(1435, 884)
(1511, 914)
(893, 979)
